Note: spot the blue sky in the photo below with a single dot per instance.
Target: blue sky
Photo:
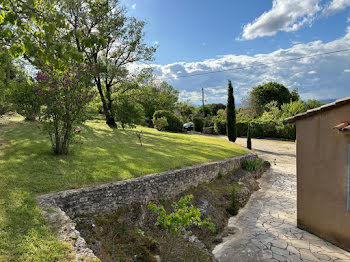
(202, 36)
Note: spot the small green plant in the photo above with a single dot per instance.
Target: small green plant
(234, 206)
(252, 162)
(220, 175)
(183, 216)
(178, 222)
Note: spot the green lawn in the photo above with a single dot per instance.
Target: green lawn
(28, 168)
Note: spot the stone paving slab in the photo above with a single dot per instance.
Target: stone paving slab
(267, 225)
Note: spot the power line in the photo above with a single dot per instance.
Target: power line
(261, 64)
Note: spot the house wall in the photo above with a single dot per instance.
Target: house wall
(322, 176)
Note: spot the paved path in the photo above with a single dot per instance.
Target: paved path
(266, 227)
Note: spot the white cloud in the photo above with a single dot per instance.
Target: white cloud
(290, 15)
(133, 6)
(347, 70)
(335, 6)
(331, 82)
(283, 16)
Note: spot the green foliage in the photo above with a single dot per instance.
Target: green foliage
(160, 123)
(249, 137)
(252, 162)
(8, 74)
(231, 114)
(26, 102)
(234, 205)
(183, 216)
(174, 124)
(127, 111)
(65, 96)
(184, 110)
(293, 108)
(220, 122)
(262, 95)
(198, 123)
(311, 104)
(38, 30)
(220, 126)
(154, 96)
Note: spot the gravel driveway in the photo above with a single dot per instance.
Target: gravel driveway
(265, 230)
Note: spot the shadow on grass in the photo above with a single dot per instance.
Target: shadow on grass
(28, 168)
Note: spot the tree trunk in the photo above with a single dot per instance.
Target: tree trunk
(110, 121)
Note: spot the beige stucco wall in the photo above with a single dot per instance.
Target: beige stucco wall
(322, 176)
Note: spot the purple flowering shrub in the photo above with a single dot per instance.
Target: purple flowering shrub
(251, 162)
(65, 96)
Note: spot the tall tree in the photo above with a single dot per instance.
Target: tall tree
(261, 95)
(97, 32)
(231, 114)
(109, 41)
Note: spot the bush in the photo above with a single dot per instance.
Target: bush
(252, 162)
(65, 95)
(198, 123)
(220, 126)
(160, 123)
(25, 100)
(234, 206)
(174, 123)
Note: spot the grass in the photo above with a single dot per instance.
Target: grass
(28, 168)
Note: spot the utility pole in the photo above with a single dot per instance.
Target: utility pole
(203, 102)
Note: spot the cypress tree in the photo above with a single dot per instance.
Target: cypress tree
(231, 114)
(249, 138)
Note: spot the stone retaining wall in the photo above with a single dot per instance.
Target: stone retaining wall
(109, 197)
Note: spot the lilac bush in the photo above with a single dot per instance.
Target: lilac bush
(65, 95)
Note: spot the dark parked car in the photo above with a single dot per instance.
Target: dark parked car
(188, 126)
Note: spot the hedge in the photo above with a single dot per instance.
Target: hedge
(259, 129)
(174, 123)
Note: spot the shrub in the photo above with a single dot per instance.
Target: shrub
(252, 162)
(174, 123)
(198, 124)
(65, 96)
(26, 102)
(220, 126)
(160, 123)
(286, 131)
(234, 206)
(184, 215)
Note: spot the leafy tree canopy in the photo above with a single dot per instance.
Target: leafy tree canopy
(261, 95)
